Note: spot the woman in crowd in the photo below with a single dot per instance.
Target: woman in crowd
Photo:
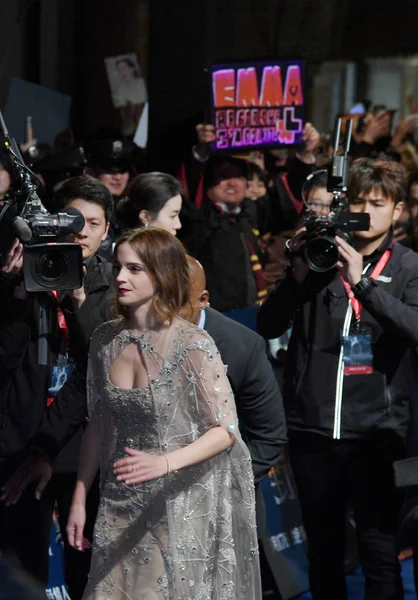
(176, 517)
(256, 182)
(153, 199)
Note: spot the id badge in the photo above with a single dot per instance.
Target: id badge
(59, 375)
(358, 351)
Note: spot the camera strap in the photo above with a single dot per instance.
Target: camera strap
(63, 367)
(62, 323)
(355, 303)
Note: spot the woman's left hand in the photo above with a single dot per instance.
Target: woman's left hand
(139, 466)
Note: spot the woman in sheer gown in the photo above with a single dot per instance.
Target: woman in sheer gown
(176, 519)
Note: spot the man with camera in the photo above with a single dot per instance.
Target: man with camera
(349, 379)
(23, 395)
(27, 384)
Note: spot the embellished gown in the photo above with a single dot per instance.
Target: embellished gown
(190, 535)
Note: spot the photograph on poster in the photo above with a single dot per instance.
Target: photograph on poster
(126, 83)
(128, 89)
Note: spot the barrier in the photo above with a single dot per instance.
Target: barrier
(56, 589)
(284, 538)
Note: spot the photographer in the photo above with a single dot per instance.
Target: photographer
(25, 527)
(27, 387)
(348, 383)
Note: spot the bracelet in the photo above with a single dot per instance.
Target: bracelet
(168, 464)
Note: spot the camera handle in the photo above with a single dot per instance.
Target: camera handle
(338, 168)
(43, 336)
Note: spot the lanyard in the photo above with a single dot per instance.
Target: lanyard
(61, 322)
(355, 304)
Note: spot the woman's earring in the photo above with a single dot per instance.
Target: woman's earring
(146, 224)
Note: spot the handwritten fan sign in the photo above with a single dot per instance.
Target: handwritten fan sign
(258, 105)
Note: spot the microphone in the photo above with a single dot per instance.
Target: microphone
(21, 229)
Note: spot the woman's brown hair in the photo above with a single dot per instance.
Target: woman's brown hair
(165, 259)
(366, 174)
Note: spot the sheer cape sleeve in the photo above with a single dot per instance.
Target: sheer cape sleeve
(208, 385)
(192, 533)
(95, 381)
(210, 505)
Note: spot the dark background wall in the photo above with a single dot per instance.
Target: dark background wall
(62, 44)
(186, 35)
(215, 30)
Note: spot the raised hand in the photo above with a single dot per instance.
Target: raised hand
(351, 263)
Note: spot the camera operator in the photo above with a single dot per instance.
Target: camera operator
(24, 528)
(27, 388)
(348, 383)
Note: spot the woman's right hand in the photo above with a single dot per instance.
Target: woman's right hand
(75, 527)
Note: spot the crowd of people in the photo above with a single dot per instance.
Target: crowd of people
(155, 416)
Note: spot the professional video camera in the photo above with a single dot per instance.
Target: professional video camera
(47, 263)
(321, 250)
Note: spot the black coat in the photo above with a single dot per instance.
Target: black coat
(317, 310)
(93, 312)
(81, 323)
(257, 395)
(218, 241)
(258, 398)
(23, 383)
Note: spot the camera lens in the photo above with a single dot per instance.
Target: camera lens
(51, 266)
(322, 254)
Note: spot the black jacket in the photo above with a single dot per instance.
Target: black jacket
(81, 323)
(23, 382)
(317, 310)
(258, 399)
(257, 395)
(219, 243)
(93, 312)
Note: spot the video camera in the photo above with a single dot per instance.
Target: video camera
(321, 250)
(47, 263)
